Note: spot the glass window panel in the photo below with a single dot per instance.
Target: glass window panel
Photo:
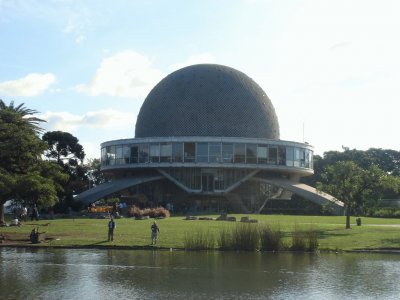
(272, 156)
(262, 154)
(104, 156)
(251, 153)
(302, 158)
(126, 153)
(111, 155)
(134, 154)
(190, 152)
(289, 156)
(227, 153)
(144, 153)
(282, 156)
(240, 153)
(215, 152)
(177, 152)
(154, 152)
(165, 152)
(202, 152)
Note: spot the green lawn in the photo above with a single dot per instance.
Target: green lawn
(375, 233)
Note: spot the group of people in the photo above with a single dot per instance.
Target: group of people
(154, 231)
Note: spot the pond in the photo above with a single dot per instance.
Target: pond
(134, 274)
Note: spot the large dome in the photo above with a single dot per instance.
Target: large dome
(207, 100)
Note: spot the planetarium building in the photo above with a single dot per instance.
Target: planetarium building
(207, 138)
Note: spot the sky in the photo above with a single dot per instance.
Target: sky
(330, 68)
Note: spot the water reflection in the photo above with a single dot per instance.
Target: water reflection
(123, 274)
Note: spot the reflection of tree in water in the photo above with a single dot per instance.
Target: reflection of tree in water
(26, 272)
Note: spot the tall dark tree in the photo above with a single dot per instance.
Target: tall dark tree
(20, 154)
(67, 152)
(63, 147)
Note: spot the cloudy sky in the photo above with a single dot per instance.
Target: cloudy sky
(331, 68)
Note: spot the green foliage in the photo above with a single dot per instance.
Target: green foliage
(388, 212)
(357, 187)
(199, 240)
(385, 160)
(304, 240)
(22, 171)
(241, 237)
(63, 147)
(271, 239)
(94, 174)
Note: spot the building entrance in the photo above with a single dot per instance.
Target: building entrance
(207, 182)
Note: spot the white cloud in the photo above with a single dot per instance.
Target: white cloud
(31, 85)
(125, 74)
(66, 121)
(200, 58)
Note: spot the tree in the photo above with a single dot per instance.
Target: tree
(63, 147)
(354, 185)
(20, 156)
(385, 159)
(94, 174)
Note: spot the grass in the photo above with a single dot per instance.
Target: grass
(375, 233)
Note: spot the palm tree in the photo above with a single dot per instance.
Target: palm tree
(20, 147)
(24, 114)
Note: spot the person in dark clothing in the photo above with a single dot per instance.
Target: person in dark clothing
(35, 213)
(154, 233)
(111, 227)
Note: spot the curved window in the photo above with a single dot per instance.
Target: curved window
(202, 152)
(240, 154)
(207, 152)
(143, 153)
(272, 155)
(262, 154)
(215, 152)
(251, 153)
(155, 153)
(190, 152)
(227, 153)
(165, 152)
(177, 152)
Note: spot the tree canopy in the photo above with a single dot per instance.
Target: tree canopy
(21, 164)
(357, 187)
(63, 147)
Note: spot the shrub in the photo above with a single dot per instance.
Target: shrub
(304, 240)
(225, 239)
(387, 212)
(271, 240)
(161, 212)
(312, 240)
(201, 240)
(151, 212)
(243, 237)
(135, 212)
(246, 237)
(298, 240)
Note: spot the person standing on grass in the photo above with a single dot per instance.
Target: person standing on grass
(154, 233)
(111, 227)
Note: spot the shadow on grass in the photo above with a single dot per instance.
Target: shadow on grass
(99, 243)
(324, 234)
(393, 241)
